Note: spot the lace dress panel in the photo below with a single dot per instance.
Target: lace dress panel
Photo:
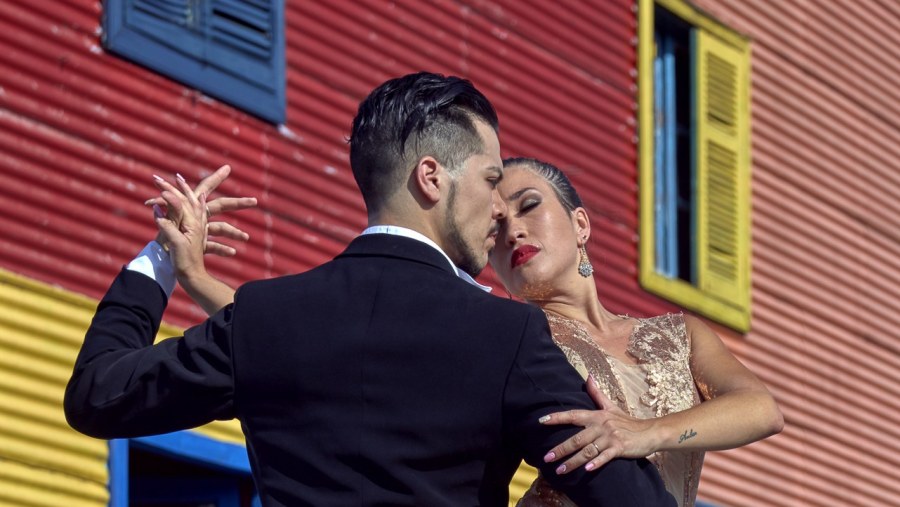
(660, 383)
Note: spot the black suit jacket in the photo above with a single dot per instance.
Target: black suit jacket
(379, 378)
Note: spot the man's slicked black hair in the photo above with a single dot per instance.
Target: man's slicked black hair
(410, 117)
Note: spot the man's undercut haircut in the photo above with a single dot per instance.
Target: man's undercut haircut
(410, 117)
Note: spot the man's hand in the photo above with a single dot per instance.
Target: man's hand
(175, 199)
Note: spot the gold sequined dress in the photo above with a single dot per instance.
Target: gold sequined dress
(658, 383)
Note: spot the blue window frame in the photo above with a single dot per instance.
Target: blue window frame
(230, 49)
(183, 468)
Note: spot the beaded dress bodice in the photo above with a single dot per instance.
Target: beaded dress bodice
(654, 381)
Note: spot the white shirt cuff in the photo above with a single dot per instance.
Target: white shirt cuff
(154, 262)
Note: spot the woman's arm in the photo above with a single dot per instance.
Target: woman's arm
(737, 409)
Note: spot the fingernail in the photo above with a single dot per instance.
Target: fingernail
(560, 469)
(550, 456)
(544, 419)
(180, 177)
(157, 178)
(589, 466)
(148, 202)
(157, 211)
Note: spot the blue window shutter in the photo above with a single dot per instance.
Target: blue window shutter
(230, 49)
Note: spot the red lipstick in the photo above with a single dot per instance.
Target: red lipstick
(523, 254)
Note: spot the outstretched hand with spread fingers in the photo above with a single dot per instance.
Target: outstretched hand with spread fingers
(174, 198)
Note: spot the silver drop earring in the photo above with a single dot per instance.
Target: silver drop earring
(585, 268)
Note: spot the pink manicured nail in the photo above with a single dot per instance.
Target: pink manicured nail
(560, 469)
(157, 178)
(589, 466)
(550, 456)
(544, 419)
(148, 202)
(180, 177)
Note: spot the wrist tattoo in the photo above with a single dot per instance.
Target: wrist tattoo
(686, 435)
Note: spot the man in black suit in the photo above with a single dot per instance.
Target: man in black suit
(385, 376)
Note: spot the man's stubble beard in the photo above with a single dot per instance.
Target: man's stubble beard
(469, 260)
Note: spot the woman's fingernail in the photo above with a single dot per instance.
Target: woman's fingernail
(544, 419)
(560, 469)
(180, 177)
(148, 202)
(550, 456)
(157, 178)
(589, 466)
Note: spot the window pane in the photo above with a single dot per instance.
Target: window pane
(673, 158)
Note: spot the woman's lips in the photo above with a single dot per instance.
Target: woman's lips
(523, 254)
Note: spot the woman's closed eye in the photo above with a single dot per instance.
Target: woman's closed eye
(528, 205)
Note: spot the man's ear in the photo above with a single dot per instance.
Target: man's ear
(427, 177)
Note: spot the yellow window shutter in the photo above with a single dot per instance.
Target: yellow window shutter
(722, 125)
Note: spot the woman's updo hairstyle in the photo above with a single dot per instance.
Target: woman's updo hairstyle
(558, 181)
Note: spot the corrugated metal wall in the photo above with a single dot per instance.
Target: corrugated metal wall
(826, 188)
(41, 458)
(82, 131)
(43, 462)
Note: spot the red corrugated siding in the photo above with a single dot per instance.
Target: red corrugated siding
(826, 262)
(83, 131)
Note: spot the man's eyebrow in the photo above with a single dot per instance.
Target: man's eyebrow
(496, 169)
(519, 193)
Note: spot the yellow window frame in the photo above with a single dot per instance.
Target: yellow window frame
(724, 298)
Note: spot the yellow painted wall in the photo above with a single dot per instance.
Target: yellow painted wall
(521, 482)
(43, 462)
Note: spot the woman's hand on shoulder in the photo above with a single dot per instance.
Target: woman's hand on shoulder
(608, 433)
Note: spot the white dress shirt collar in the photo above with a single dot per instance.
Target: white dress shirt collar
(418, 236)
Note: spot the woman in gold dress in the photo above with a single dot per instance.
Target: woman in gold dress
(667, 387)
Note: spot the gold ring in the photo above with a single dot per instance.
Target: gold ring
(596, 447)
(208, 214)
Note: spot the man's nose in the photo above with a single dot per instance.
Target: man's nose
(498, 207)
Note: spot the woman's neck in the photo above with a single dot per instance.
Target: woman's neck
(580, 303)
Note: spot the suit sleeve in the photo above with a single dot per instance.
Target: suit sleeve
(541, 382)
(124, 386)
